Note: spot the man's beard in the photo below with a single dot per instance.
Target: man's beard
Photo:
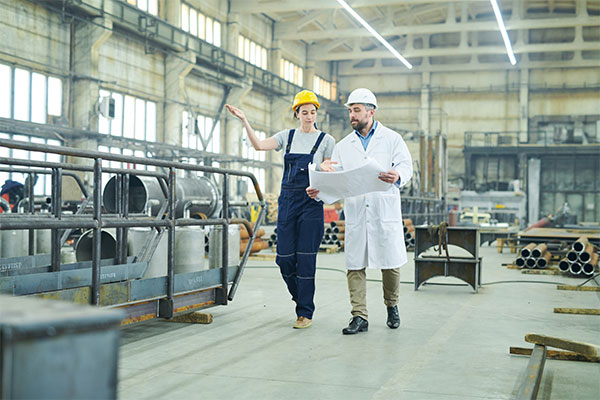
(358, 125)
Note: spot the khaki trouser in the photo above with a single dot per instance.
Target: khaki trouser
(357, 286)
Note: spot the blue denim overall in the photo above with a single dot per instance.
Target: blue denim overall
(299, 229)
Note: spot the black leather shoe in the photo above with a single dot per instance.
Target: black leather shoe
(357, 324)
(393, 320)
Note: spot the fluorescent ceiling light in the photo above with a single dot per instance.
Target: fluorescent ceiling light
(374, 33)
(509, 50)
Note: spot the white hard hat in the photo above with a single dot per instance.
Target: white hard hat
(361, 96)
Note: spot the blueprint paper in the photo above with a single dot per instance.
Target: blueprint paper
(337, 185)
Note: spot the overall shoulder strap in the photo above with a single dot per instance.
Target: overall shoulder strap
(317, 143)
(289, 142)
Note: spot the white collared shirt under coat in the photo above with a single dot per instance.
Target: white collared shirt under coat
(374, 236)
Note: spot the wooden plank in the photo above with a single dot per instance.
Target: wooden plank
(559, 233)
(579, 288)
(556, 354)
(542, 272)
(582, 311)
(533, 374)
(587, 349)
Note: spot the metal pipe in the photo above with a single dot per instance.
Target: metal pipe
(538, 250)
(56, 211)
(171, 238)
(520, 262)
(69, 151)
(533, 375)
(97, 246)
(526, 251)
(586, 254)
(563, 265)
(581, 244)
(46, 172)
(544, 260)
(84, 247)
(201, 191)
(125, 205)
(75, 167)
(31, 202)
(590, 267)
(572, 256)
(575, 268)
(119, 201)
(225, 246)
(530, 262)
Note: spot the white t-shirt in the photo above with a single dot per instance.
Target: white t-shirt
(303, 143)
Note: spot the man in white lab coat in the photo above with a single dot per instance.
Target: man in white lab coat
(374, 233)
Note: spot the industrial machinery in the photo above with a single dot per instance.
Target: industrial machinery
(142, 252)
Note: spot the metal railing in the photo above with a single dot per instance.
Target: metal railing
(121, 221)
(424, 210)
(515, 138)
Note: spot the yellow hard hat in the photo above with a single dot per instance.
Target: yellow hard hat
(305, 97)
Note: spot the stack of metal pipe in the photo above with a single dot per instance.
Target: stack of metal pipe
(534, 256)
(334, 233)
(273, 239)
(409, 232)
(582, 259)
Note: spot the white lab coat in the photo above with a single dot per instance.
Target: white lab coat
(374, 233)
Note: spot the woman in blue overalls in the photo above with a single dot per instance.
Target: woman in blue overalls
(300, 218)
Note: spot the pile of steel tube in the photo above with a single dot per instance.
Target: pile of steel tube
(334, 233)
(582, 259)
(534, 256)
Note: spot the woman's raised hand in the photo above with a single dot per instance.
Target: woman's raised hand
(236, 112)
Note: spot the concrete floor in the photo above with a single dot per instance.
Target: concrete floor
(452, 344)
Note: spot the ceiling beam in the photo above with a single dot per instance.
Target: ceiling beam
(455, 51)
(273, 6)
(289, 32)
(346, 68)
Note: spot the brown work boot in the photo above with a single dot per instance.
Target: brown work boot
(302, 322)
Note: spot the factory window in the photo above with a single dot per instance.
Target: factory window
(324, 88)
(198, 24)
(252, 52)
(130, 117)
(249, 153)
(290, 72)
(29, 96)
(195, 133)
(150, 6)
(118, 164)
(5, 92)
(43, 185)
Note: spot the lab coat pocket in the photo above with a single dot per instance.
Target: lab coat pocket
(389, 208)
(383, 158)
